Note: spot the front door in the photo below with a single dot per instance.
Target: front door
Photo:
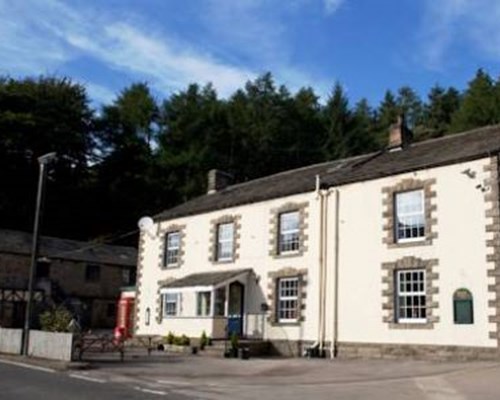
(235, 309)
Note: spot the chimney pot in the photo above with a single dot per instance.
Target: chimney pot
(218, 180)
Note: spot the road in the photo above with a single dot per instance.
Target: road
(22, 383)
(194, 378)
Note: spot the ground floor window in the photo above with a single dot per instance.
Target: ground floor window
(203, 303)
(411, 296)
(171, 304)
(288, 299)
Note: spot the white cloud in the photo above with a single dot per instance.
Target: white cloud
(332, 6)
(31, 44)
(451, 23)
(244, 38)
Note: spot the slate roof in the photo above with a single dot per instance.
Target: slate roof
(447, 150)
(206, 278)
(20, 243)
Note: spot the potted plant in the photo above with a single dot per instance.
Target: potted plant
(203, 340)
(245, 353)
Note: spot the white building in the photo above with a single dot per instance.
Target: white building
(388, 254)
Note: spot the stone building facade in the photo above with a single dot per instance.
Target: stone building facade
(388, 254)
(85, 278)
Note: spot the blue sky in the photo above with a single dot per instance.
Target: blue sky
(369, 46)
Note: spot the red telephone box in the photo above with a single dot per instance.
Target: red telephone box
(125, 316)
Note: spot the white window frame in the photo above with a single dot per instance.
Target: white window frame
(170, 298)
(398, 214)
(411, 294)
(225, 241)
(171, 250)
(282, 232)
(280, 297)
(207, 312)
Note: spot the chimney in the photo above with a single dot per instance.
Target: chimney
(218, 180)
(400, 136)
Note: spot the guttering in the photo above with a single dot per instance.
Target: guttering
(321, 313)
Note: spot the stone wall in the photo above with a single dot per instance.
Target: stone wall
(414, 351)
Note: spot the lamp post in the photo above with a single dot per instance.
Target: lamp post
(43, 161)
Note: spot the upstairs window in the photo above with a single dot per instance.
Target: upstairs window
(172, 246)
(42, 269)
(411, 296)
(289, 232)
(225, 241)
(92, 273)
(288, 299)
(409, 216)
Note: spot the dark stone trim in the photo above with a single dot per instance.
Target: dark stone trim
(274, 229)
(139, 278)
(388, 214)
(389, 294)
(492, 228)
(272, 287)
(225, 219)
(415, 351)
(182, 245)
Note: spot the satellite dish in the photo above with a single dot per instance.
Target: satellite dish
(146, 225)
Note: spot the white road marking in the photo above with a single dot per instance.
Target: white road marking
(29, 366)
(173, 383)
(436, 388)
(144, 390)
(87, 378)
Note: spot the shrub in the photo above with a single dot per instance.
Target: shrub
(203, 340)
(56, 320)
(170, 338)
(185, 340)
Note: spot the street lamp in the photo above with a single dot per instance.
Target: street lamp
(43, 161)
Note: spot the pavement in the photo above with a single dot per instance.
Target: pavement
(198, 377)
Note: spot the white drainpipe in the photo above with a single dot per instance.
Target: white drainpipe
(333, 349)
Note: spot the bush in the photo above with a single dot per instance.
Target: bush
(56, 320)
(185, 340)
(170, 338)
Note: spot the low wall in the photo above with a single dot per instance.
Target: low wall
(11, 340)
(51, 345)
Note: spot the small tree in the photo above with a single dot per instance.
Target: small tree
(57, 319)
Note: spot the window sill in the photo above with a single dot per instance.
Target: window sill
(171, 266)
(411, 325)
(289, 254)
(224, 261)
(410, 243)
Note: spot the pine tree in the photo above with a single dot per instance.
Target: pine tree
(479, 106)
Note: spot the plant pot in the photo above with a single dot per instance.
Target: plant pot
(194, 350)
(245, 353)
(235, 352)
(228, 354)
(202, 347)
(160, 347)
